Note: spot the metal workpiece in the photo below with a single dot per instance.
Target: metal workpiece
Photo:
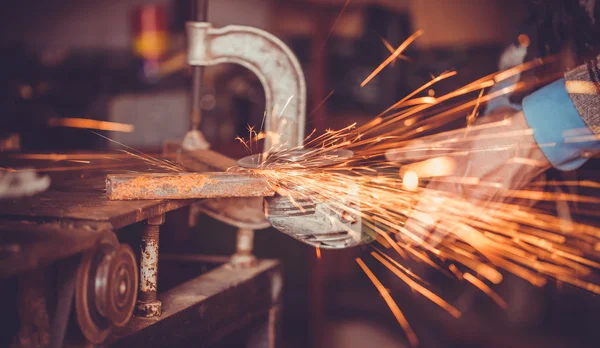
(274, 64)
(244, 244)
(148, 305)
(185, 186)
(240, 212)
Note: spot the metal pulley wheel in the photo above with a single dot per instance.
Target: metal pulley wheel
(106, 288)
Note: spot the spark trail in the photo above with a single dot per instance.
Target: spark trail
(471, 240)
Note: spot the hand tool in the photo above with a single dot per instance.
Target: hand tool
(332, 223)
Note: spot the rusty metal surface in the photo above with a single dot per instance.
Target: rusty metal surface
(202, 311)
(241, 212)
(148, 305)
(185, 186)
(271, 60)
(149, 261)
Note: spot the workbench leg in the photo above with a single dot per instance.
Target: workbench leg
(148, 305)
(245, 243)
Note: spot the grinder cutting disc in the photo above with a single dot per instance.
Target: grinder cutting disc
(302, 158)
(320, 224)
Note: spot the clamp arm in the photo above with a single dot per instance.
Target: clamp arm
(272, 61)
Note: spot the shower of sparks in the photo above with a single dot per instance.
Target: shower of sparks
(472, 242)
(164, 164)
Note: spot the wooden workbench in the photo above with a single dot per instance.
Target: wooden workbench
(67, 219)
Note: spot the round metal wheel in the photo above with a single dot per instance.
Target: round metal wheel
(122, 286)
(106, 288)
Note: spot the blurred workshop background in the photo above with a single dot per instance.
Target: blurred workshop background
(123, 61)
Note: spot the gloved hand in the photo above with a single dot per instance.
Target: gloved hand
(481, 164)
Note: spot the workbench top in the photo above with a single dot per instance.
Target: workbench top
(68, 217)
(78, 192)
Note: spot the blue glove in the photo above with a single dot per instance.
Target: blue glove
(551, 114)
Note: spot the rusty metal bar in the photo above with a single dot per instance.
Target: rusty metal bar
(148, 305)
(185, 186)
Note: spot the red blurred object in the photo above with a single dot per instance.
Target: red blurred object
(150, 31)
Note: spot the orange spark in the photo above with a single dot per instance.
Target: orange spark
(486, 289)
(486, 238)
(90, 124)
(335, 23)
(391, 49)
(419, 288)
(410, 334)
(392, 57)
(321, 103)
(455, 270)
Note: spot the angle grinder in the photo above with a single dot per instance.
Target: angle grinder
(330, 224)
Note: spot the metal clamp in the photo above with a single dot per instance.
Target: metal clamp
(272, 61)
